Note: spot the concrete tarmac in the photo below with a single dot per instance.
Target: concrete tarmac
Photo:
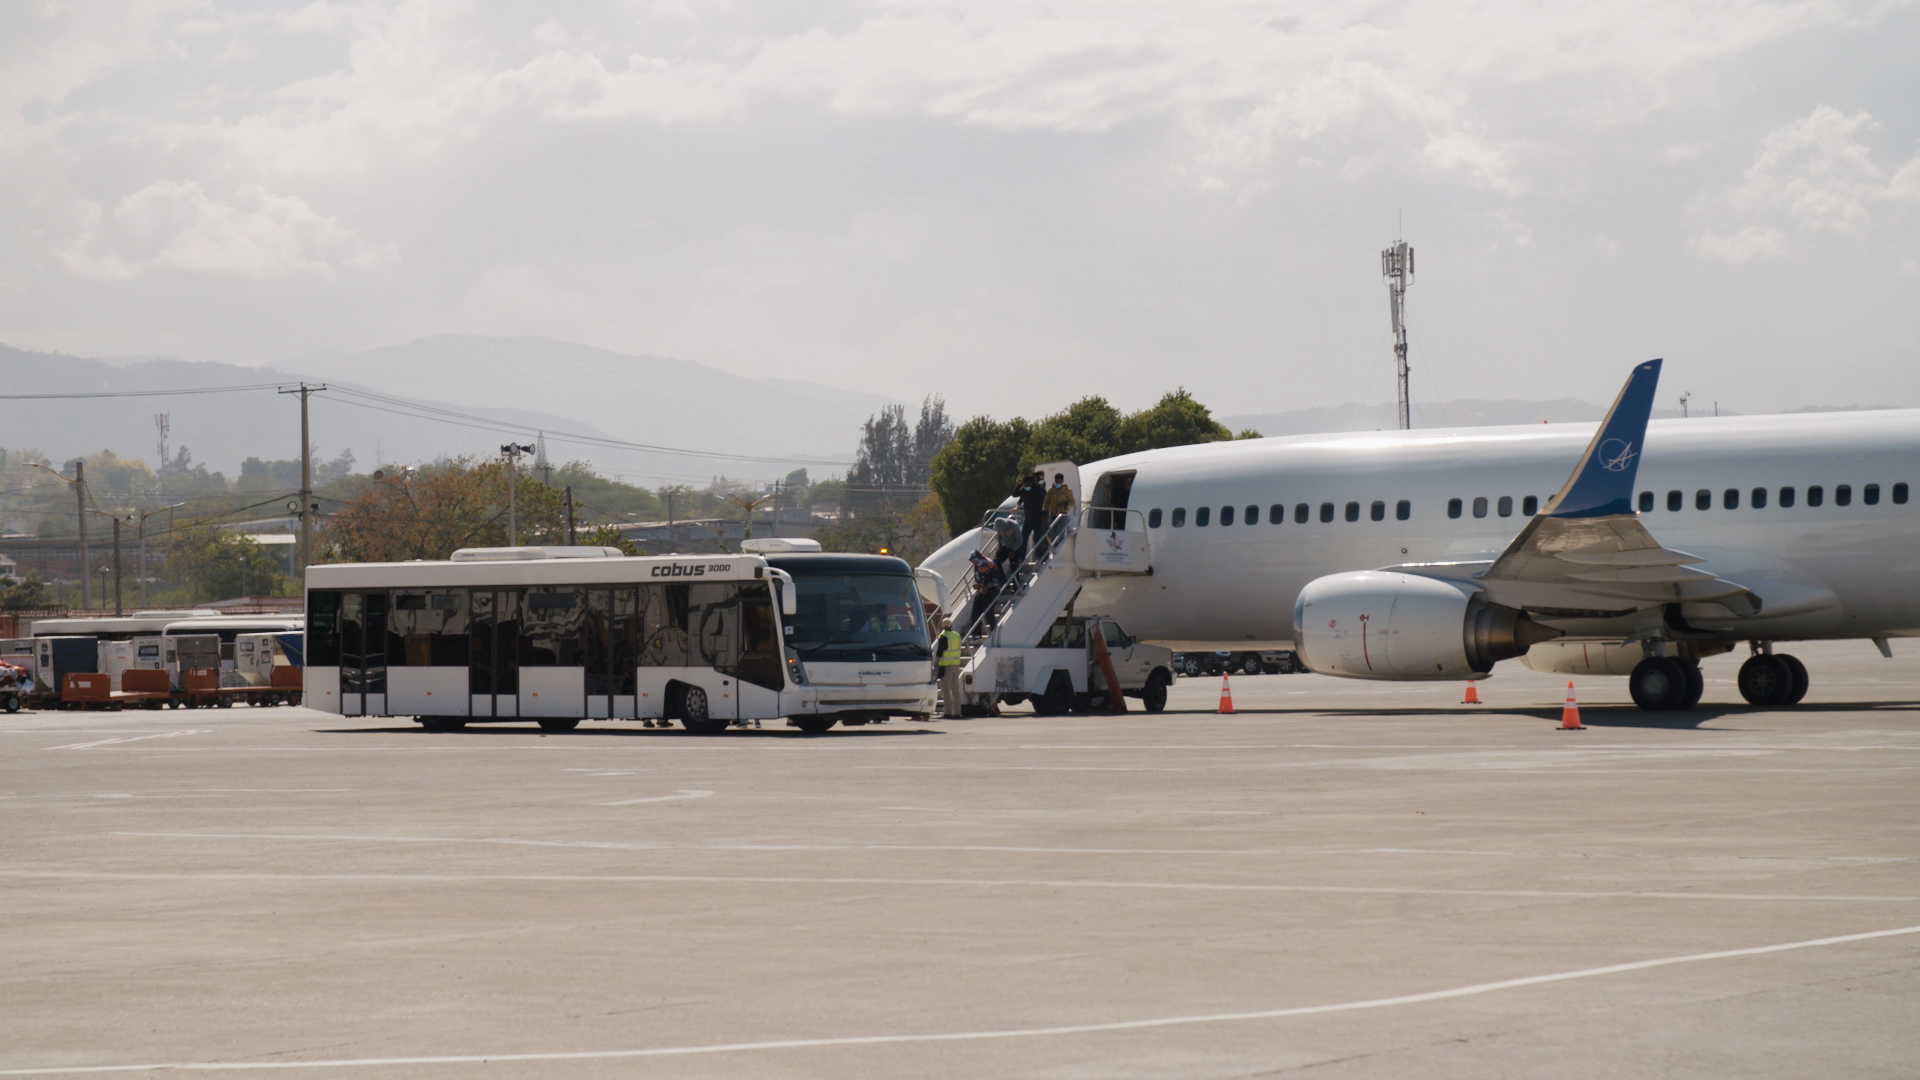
(1341, 879)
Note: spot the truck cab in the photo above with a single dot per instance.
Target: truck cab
(1062, 673)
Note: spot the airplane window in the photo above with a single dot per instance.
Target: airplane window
(1480, 506)
(1378, 511)
(1179, 516)
(1353, 511)
(1277, 513)
(1759, 501)
(1153, 518)
(1402, 510)
(1646, 502)
(1816, 494)
(1453, 508)
(1843, 495)
(1673, 500)
(1870, 494)
(1326, 512)
(1300, 512)
(1226, 515)
(1253, 515)
(1730, 499)
(1530, 506)
(1505, 506)
(1703, 499)
(1786, 497)
(1200, 517)
(1900, 494)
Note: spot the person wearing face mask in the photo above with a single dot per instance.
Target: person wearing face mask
(1059, 498)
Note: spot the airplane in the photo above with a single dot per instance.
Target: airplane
(1628, 547)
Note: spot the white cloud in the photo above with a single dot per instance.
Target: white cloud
(1755, 243)
(1814, 176)
(175, 224)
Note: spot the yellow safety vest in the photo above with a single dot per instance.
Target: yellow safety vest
(950, 656)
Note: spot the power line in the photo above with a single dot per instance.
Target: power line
(450, 416)
(141, 393)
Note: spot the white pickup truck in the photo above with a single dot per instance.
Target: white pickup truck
(1062, 673)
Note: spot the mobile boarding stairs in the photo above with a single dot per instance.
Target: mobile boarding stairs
(1012, 648)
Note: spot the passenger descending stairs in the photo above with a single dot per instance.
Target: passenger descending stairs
(1040, 589)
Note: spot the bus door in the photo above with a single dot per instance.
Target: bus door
(493, 658)
(611, 652)
(713, 625)
(363, 654)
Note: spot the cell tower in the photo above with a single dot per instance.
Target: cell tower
(1396, 265)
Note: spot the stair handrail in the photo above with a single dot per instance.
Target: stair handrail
(1022, 578)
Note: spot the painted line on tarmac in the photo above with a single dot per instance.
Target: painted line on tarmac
(1014, 849)
(132, 738)
(953, 883)
(1472, 990)
(675, 797)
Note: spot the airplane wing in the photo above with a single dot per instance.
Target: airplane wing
(1587, 554)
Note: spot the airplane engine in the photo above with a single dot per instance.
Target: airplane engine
(1371, 624)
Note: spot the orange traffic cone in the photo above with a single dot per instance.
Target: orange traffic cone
(1570, 712)
(1473, 696)
(1226, 693)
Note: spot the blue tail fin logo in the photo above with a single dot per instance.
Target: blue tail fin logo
(1602, 483)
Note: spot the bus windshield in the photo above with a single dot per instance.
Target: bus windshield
(857, 617)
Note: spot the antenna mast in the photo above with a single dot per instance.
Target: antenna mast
(1396, 265)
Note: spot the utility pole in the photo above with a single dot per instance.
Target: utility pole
(1683, 404)
(118, 610)
(306, 480)
(1396, 265)
(540, 459)
(569, 508)
(512, 451)
(86, 569)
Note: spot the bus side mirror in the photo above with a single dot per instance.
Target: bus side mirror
(789, 598)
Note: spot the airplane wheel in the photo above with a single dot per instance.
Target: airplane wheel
(1798, 672)
(1696, 684)
(1766, 680)
(1657, 684)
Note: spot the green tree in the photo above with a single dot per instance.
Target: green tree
(209, 564)
(430, 513)
(29, 593)
(978, 467)
(986, 458)
(1176, 420)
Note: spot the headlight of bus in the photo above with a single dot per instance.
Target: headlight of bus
(795, 672)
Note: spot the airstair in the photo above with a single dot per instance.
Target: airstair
(1042, 587)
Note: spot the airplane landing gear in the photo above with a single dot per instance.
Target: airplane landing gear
(1660, 684)
(1769, 679)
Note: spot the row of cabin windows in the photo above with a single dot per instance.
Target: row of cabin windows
(1277, 513)
(1504, 505)
(1757, 498)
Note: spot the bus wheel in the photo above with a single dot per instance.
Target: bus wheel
(11, 703)
(1154, 695)
(443, 723)
(556, 723)
(813, 725)
(694, 714)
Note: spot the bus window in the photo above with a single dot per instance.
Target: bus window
(611, 648)
(551, 628)
(428, 628)
(713, 626)
(856, 617)
(663, 621)
(323, 628)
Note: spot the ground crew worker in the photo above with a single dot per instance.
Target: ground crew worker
(947, 650)
(1059, 498)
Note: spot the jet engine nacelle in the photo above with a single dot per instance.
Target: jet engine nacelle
(1373, 624)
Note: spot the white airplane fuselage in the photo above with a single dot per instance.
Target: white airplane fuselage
(1831, 570)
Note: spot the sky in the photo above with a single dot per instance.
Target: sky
(1013, 202)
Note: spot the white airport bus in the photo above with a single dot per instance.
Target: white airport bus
(561, 634)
